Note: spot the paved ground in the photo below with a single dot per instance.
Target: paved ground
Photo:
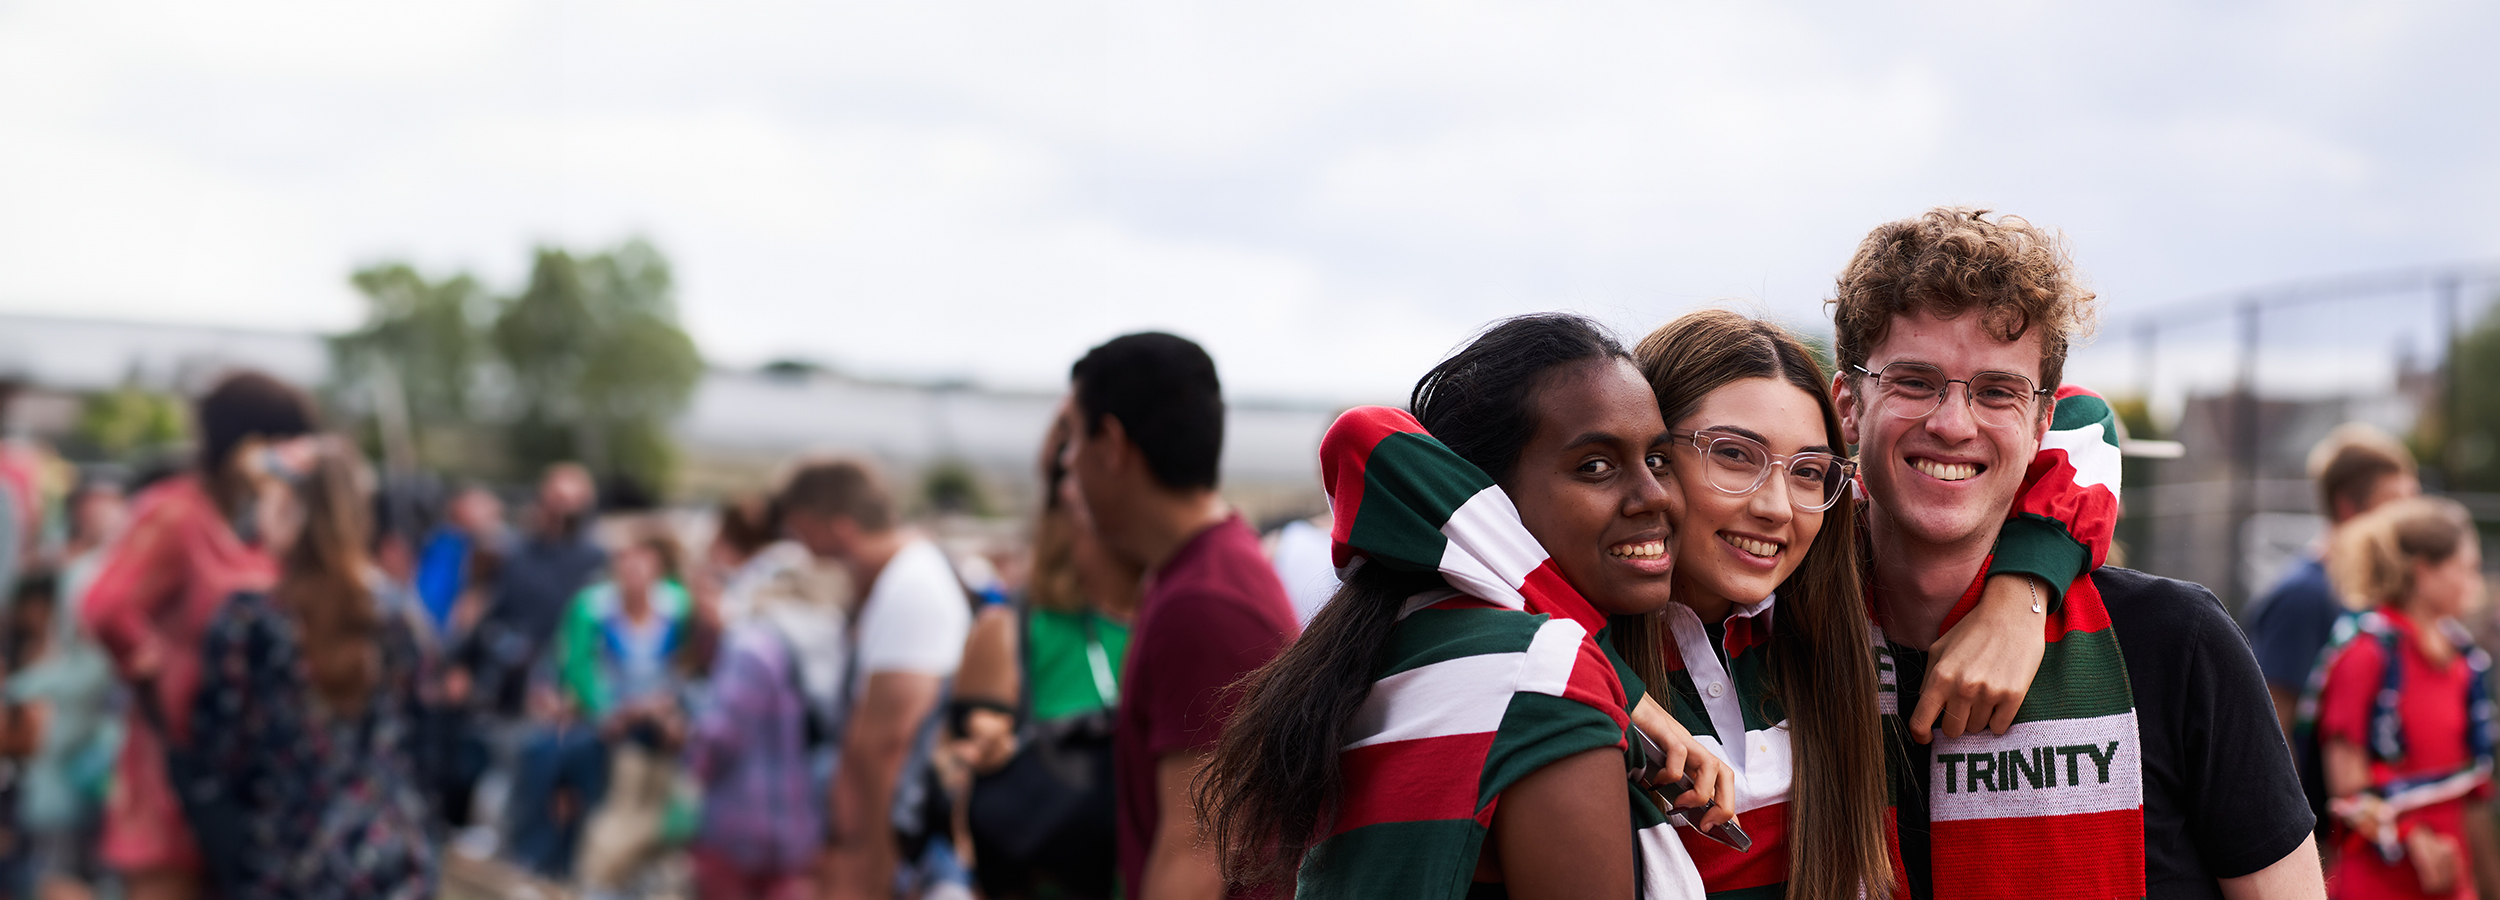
(478, 879)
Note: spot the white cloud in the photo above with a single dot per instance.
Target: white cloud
(1328, 195)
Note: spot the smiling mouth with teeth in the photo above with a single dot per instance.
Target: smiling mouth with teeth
(1642, 550)
(1946, 471)
(1758, 548)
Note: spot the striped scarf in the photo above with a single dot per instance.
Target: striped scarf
(2066, 782)
(1481, 684)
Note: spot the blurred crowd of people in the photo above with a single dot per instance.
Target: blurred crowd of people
(276, 672)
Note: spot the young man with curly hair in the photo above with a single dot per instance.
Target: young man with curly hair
(2145, 760)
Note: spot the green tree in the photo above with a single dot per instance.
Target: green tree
(598, 363)
(128, 421)
(420, 354)
(2474, 454)
(951, 486)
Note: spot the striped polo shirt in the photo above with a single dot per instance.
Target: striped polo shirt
(1718, 688)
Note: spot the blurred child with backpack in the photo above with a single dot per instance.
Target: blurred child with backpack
(2401, 705)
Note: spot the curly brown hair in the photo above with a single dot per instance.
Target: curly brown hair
(1952, 260)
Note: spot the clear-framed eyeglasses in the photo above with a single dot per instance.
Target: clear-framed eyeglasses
(1918, 389)
(1737, 465)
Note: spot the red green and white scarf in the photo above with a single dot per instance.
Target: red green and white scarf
(1481, 684)
(2055, 807)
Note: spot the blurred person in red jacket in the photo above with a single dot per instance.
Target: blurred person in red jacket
(194, 540)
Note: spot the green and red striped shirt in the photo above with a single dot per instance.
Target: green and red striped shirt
(1506, 672)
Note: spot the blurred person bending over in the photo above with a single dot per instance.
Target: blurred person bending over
(2198, 797)
(194, 540)
(751, 746)
(1147, 435)
(905, 643)
(306, 718)
(2356, 468)
(2403, 708)
(1033, 710)
(771, 581)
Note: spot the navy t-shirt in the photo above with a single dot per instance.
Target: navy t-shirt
(2290, 624)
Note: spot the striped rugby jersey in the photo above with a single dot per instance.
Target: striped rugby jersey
(1727, 706)
(1471, 697)
(1479, 685)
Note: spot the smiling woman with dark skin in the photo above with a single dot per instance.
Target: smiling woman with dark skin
(1588, 486)
(1336, 732)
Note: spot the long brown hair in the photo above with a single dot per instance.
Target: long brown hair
(322, 585)
(1820, 667)
(1051, 582)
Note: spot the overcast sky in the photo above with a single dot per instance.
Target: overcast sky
(1329, 196)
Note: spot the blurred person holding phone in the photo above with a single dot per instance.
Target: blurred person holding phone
(303, 734)
(628, 650)
(194, 540)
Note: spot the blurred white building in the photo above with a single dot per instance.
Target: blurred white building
(740, 426)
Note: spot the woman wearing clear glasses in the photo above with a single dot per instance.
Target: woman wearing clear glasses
(1768, 523)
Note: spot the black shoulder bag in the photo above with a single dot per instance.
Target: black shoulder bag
(1044, 821)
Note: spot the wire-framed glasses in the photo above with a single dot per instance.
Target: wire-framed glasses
(1737, 465)
(1918, 389)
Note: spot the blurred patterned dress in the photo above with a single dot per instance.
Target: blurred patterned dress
(329, 806)
(159, 585)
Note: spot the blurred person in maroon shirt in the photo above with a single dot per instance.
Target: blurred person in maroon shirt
(1147, 434)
